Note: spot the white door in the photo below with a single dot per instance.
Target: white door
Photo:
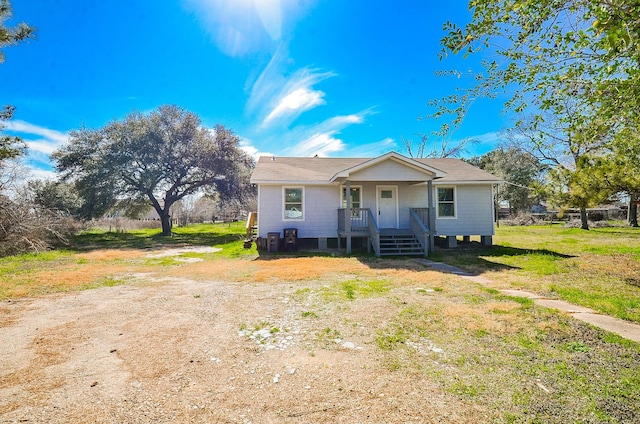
(387, 206)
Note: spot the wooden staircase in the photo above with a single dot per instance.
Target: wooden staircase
(252, 226)
(400, 243)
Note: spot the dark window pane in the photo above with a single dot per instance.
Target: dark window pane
(445, 195)
(445, 209)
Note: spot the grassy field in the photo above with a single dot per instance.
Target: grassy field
(599, 268)
(509, 360)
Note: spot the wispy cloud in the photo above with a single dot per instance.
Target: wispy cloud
(294, 103)
(40, 147)
(279, 96)
(321, 144)
(374, 149)
(248, 147)
(483, 143)
(321, 139)
(242, 27)
(50, 136)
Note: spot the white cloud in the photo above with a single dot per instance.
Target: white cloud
(251, 150)
(321, 139)
(37, 159)
(42, 146)
(51, 136)
(296, 102)
(278, 96)
(344, 120)
(322, 144)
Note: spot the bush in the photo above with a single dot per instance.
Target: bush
(520, 219)
(576, 223)
(27, 228)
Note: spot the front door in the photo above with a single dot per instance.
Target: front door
(387, 206)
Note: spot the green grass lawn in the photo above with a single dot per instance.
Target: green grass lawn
(227, 235)
(599, 268)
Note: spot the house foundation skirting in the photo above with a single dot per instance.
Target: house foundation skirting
(451, 242)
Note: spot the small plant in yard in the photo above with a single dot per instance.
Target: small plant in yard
(309, 314)
(390, 338)
(357, 288)
(576, 346)
(328, 334)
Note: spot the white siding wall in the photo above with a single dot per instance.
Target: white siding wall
(321, 205)
(389, 171)
(474, 208)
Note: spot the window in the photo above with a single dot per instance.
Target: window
(355, 197)
(446, 202)
(355, 200)
(293, 202)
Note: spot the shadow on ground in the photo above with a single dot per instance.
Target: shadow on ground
(132, 240)
(475, 258)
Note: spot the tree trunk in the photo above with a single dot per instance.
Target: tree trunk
(583, 219)
(632, 213)
(165, 219)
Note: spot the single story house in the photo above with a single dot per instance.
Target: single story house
(392, 203)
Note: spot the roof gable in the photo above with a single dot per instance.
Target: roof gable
(405, 169)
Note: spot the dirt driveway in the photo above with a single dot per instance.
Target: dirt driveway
(177, 350)
(197, 338)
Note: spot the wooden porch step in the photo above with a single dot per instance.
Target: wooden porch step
(400, 244)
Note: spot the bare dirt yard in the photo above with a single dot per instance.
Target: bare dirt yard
(328, 340)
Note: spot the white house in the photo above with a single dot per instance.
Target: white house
(396, 204)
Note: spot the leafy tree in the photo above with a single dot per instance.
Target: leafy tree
(550, 47)
(11, 36)
(572, 152)
(622, 170)
(10, 146)
(575, 60)
(520, 170)
(56, 196)
(156, 159)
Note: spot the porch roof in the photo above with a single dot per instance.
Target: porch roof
(317, 170)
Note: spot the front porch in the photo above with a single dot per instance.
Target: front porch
(361, 223)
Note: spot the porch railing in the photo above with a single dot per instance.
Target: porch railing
(423, 214)
(374, 232)
(359, 219)
(418, 227)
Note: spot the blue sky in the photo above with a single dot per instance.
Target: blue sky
(290, 77)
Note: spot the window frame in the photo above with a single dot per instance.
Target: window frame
(343, 200)
(453, 202)
(284, 203)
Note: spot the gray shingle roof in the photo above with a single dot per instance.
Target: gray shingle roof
(321, 170)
